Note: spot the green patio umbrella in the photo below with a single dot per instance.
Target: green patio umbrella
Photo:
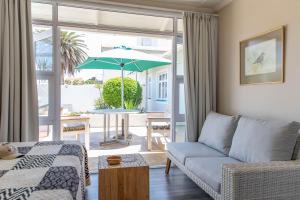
(124, 58)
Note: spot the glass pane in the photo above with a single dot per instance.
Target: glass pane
(179, 25)
(43, 97)
(159, 89)
(45, 132)
(41, 11)
(77, 15)
(180, 131)
(180, 124)
(43, 48)
(166, 90)
(107, 18)
(180, 60)
(181, 99)
(149, 88)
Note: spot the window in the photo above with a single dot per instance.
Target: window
(43, 51)
(179, 25)
(41, 11)
(42, 43)
(149, 88)
(43, 96)
(146, 41)
(163, 86)
(116, 19)
(43, 47)
(180, 58)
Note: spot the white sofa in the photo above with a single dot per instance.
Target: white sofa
(240, 158)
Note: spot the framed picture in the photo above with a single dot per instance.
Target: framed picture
(262, 58)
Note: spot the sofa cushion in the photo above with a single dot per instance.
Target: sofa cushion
(209, 170)
(218, 130)
(183, 150)
(258, 140)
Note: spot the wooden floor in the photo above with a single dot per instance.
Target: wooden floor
(176, 186)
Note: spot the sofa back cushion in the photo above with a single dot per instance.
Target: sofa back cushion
(217, 131)
(296, 152)
(258, 140)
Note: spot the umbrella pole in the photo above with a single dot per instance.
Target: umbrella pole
(122, 97)
(122, 87)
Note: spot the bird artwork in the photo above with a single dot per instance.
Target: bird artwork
(260, 59)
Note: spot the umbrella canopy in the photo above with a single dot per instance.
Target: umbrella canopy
(123, 58)
(130, 60)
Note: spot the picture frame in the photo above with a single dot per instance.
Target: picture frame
(262, 58)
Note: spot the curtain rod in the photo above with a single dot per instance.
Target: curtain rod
(211, 14)
(203, 13)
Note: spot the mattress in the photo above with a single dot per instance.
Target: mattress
(48, 170)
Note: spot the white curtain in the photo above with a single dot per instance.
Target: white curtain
(200, 51)
(18, 93)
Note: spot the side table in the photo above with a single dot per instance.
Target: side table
(129, 180)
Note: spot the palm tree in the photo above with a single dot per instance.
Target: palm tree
(72, 50)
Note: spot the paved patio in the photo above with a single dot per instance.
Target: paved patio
(137, 144)
(138, 130)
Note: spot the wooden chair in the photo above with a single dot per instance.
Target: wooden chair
(76, 125)
(160, 122)
(44, 131)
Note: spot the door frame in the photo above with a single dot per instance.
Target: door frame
(176, 82)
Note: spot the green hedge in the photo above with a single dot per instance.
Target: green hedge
(132, 93)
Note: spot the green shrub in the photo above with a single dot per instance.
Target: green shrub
(68, 81)
(92, 80)
(132, 93)
(99, 86)
(130, 105)
(88, 82)
(78, 82)
(77, 113)
(100, 104)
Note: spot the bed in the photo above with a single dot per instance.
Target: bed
(49, 170)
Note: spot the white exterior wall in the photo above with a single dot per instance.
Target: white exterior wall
(153, 104)
(164, 106)
(79, 98)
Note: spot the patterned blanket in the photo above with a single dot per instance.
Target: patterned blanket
(49, 170)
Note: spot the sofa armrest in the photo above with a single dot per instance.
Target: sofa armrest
(273, 180)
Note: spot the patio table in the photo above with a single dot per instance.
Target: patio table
(106, 122)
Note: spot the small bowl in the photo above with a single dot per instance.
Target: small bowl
(114, 160)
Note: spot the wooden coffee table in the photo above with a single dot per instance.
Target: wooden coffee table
(129, 180)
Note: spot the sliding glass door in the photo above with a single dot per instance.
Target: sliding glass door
(48, 18)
